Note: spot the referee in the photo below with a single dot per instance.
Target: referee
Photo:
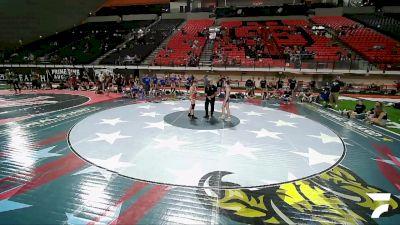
(211, 92)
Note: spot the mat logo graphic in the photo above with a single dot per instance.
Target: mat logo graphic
(348, 123)
(382, 208)
(5, 103)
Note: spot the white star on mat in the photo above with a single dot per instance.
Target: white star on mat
(145, 107)
(171, 143)
(109, 138)
(346, 142)
(239, 149)
(315, 157)
(243, 121)
(267, 109)
(94, 169)
(326, 138)
(387, 161)
(190, 176)
(151, 114)
(112, 122)
(160, 125)
(112, 163)
(208, 131)
(281, 123)
(295, 116)
(7, 205)
(74, 220)
(265, 133)
(45, 153)
(170, 103)
(252, 113)
(179, 109)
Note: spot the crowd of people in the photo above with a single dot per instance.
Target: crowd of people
(175, 84)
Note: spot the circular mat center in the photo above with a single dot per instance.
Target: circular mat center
(159, 143)
(181, 119)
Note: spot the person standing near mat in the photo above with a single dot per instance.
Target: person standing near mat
(211, 92)
(264, 92)
(334, 96)
(192, 96)
(225, 104)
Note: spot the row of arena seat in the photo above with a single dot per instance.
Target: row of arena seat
(186, 46)
(80, 45)
(136, 50)
(382, 23)
(286, 37)
(373, 46)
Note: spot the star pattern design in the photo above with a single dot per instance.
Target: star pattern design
(94, 169)
(171, 143)
(45, 153)
(327, 138)
(112, 122)
(8, 205)
(249, 142)
(315, 158)
(179, 109)
(146, 107)
(151, 114)
(265, 133)
(170, 103)
(241, 150)
(109, 138)
(159, 125)
(252, 113)
(243, 121)
(112, 163)
(281, 123)
(295, 116)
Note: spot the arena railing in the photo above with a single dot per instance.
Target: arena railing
(311, 67)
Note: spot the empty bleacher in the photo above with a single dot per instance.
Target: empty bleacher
(373, 46)
(136, 50)
(186, 46)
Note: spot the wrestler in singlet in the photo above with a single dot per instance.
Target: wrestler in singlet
(225, 104)
(192, 97)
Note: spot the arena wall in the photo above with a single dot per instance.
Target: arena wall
(139, 17)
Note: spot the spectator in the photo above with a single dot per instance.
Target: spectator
(377, 115)
(359, 111)
(334, 95)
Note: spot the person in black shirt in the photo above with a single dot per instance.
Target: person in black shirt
(263, 85)
(359, 111)
(334, 96)
(219, 84)
(312, 85)
(279, 84)
(211, 92)
(292, 84)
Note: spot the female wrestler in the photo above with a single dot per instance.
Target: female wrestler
(192, 96)
(225, 104)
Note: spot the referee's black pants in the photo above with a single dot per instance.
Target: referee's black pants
(212, 102)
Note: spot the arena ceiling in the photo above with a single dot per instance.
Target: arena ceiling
(26, 20)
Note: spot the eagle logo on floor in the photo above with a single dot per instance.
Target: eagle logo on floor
(337, 196)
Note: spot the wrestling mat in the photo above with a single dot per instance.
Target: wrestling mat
(80, 158)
